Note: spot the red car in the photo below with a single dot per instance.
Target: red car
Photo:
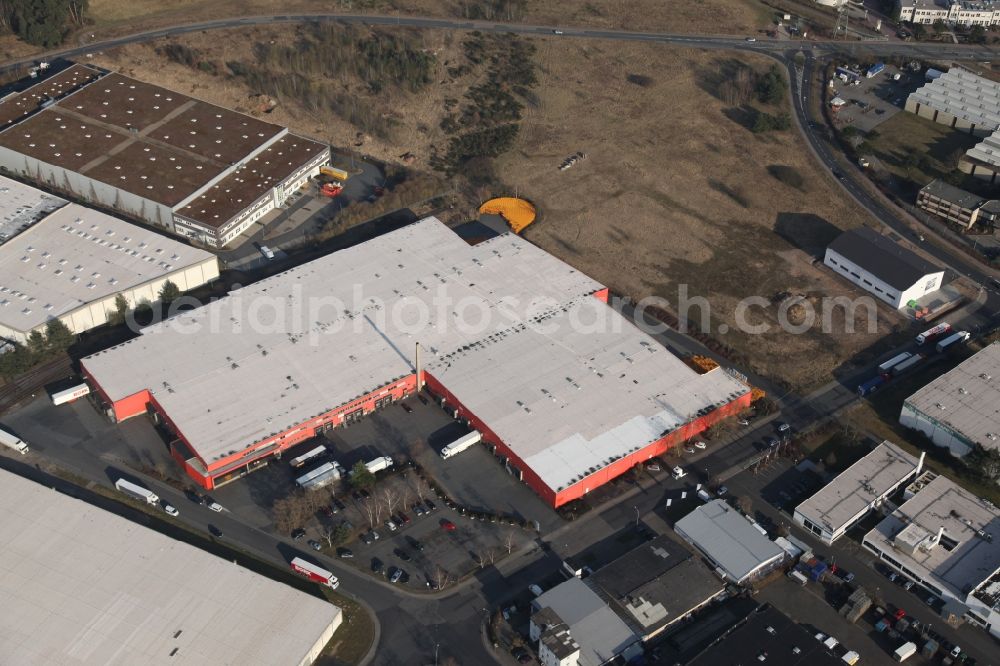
(900, 613)
(447, 526)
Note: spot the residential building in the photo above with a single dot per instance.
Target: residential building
(71, 263)
(952, 12)
(945, 539)
(959, 99)
(82, 585)
(190, 167)
(730, 542)
(567, 407)
(958, 410)
(854, 493)
(958, 206)
(882, 267)
(575, 627)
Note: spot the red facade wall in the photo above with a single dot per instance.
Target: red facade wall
(601, 295)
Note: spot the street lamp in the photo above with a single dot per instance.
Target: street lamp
(436, 646)
(636, 516)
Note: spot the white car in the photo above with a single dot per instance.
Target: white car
(215, 506)
(700, 445)
(267, 252)
(170, 510)
(678, 473)
(751, 39)
(557, 32)
(688, 449)
(955, 651)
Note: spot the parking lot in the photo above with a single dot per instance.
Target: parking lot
(874, 100)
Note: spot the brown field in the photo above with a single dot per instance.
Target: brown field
(704, 16)
(674, 191)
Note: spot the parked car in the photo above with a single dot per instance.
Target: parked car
(521, 655)
(418, 509)
(907, 585)
(170, 510)
(722, 490)
(846, 576)
(315, 545)
(653, 467)
(431, 506)
(403, 518)
(689, 450)
(395, 575)
(338, 505)
(770, 442)
(406, 408)
(345, 553)
(751, 39)
(955, 651)
(370, 537)
(678, 473)
(893, 576)
(744, 422)
(327, 511)
(391, 525)
(447, 526)
(378, 566)
(535, 590)
(414, 543)
(212, 504)
(402, 554)
(298, 533)
(214, 531)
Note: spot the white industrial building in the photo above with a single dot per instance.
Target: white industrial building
(734, 546)
(72, 264)
(947, 540)
(862, 487)
(882, 267)
(960, 409)
(81, 585)
(575, 627)
(959, 99)
(952, 12)
(983, 159)
(22, 206)
(190, 167)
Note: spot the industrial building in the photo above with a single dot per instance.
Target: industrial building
(952, 12)
(573, 626)
(959, 409)
(81, 585)
(882, 267)
(515, 342)
(655, 585)
(947, 540)
(959, 99)
(956, 205)
(983, 159)
(862, 487)
(190, 167)
(22, 206)
(730, 542)
(71, 263)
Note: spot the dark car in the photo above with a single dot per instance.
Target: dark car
(521, 655)
(214, 531)
(406, 407)
(338, 505)
(431, 506)
(327, 511)
(402, 554)
(419, 509)
(378, 566)
(368, 538)
(403, 518)
(770, 442)
(345, 553)
(298, 533)
(415, 544)
(781, 426)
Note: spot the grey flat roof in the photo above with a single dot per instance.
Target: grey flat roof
(640, 565)
(880, 256)
(567, 399)
(21, 206)
(858, 487)
(81, 585)
(599, 632)
(953, 195)
(940, 503)
(987, 151)
(726, 536)
(76, 256)
(964, 95)
(966, 398)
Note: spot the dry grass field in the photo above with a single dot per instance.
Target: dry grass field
(675, 189)
(704, 16)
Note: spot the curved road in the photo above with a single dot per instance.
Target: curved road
(413, 625)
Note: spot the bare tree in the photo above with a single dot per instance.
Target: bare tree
(441, 578)
(371, 510)
(290, 512)
(419, 486)
(389, 497)
(744, 503)
(508, 541)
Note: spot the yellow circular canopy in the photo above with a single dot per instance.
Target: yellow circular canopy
(518, 212)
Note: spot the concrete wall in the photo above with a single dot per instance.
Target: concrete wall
(939, 433)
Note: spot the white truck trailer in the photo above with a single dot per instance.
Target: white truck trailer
(299, 461)
(461, 444)
(136, 491)
(70, 394)
(379, 464)
(13, 442)
(320, 476)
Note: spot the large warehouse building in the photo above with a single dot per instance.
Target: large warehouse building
(71, 263)
(959, 99)
(191, 167)
(519, 344)
(81, 585)
(959, 409)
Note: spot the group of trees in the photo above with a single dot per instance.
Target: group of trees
(168, 293)
(40, 347)
(765, 122)
(984, 463)
(42, 22)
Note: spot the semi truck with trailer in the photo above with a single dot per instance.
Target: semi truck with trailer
(312, 454)
(886, 367)
(961, 336)
(321, 476)
(905, 651)
(932, 334)
(136, 491)
(70, 394)
(377, 465)
(315, 573)
(13, 442)
(900, 368)
(461, 444)
(871, 385)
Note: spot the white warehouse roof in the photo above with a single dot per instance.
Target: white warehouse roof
(81, 585)
(966, 399)
(858, 487)
(509, 332)
(728, 538)
(963, 95)
(21, 206)
(987, 151)
(77, 256)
